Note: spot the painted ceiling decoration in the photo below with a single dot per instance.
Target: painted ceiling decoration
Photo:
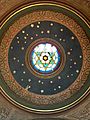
(45, 57)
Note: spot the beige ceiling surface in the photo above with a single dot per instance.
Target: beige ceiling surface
(81, 5)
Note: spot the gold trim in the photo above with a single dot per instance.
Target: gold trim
(15, 28)
(45, 111)
(54, 73)
(55, 110)
(52, 4)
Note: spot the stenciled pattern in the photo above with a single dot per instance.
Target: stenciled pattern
(30, 58)
(27, 91)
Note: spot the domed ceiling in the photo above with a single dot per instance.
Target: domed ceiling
(45, 57)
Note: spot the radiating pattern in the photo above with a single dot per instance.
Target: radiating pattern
(45, 57)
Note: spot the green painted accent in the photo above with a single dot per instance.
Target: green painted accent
(45, 65)
(51, 54)
(39, 62)
(38, 53)
(52, 62)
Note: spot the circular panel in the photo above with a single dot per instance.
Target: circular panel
(44, 58)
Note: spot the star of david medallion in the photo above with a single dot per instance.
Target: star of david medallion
(45, 58)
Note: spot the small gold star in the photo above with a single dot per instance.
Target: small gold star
(38, 26)
(67, 76)
(54, 89)
(27, 34)
(31, 38)
(14, 72)
(21, 79)
(77, 71)
(14, 58)
(38, 22)
(32, 25)
(59, 87)
(51, 81)
(80, 56)
(48, 31)
(61, 29)
(75, 63)
(29, 80)
(39, 81)
(72, 37)
(42, 91)
(55, 35)
(23, 31)
(22, 64)
(68, 53)
(22, 48)
(17, 37)
(42, 32)
(60, 39)
(11, 47)
(51, 24)
(24, 72)
(25, 37)
(64, 40)
(18, 42)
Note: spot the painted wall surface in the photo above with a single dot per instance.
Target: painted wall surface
(9, 111)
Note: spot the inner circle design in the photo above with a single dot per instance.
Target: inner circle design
(29, 90)
(66, 69)
(45, 57)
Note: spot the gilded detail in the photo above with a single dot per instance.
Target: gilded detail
(21, 23)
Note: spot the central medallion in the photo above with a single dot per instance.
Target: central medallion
(45, 57)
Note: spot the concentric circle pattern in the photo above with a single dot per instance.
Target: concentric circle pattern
(45, 58)
(20, 68)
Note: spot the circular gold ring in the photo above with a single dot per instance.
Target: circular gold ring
(52, 74)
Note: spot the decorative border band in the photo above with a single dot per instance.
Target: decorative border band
(16, 27)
